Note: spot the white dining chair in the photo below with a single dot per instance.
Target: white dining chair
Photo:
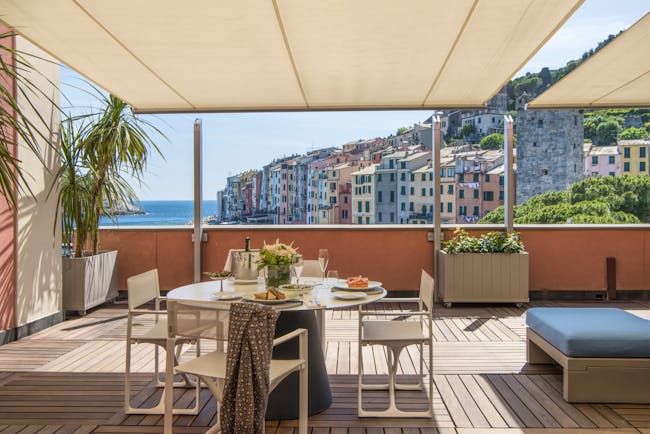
(144, 288)
(311, 269)
(209, 320)
(395, 334)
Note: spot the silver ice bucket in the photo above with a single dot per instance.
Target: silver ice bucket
(244, 264)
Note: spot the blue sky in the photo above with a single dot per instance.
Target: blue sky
(236, 142)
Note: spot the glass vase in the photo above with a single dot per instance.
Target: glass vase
(277, 275)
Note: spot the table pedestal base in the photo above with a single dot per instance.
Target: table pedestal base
(283, 401)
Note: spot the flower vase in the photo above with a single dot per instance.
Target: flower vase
(277, 275)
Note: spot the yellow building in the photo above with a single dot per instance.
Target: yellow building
(363, 199)
(634, 156)
(421, 196)
(421, 193)
(447, 193)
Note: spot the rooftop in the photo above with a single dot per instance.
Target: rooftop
(69, 379)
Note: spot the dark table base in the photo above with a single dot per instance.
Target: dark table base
(284, 400)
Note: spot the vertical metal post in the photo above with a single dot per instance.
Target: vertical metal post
(198, 193)
(508, 173)
(435, 166)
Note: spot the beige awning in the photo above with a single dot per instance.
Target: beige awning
(211, 55)
(616, 76)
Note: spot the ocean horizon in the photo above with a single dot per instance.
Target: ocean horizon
(162, 213)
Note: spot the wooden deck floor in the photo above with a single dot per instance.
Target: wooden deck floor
(69, 379)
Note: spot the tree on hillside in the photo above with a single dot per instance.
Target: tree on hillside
(467, 130)
(590, 129)
(613, 199)
(401, 130)
(607, 132)
(633, 133)
(494, 141)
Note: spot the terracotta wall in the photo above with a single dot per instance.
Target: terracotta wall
(561, 257)
(7, 226)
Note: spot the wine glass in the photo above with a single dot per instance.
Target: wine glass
(332, 277)
(323, 260)
(298, 265)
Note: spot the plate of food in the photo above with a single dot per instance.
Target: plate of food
(349, 295)
(270, 296)
(296, 289)
(219, 275)
(356, 283)
(226, 296)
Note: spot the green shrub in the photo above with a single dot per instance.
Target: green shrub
(490, 242)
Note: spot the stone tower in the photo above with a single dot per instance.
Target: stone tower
(549, 150)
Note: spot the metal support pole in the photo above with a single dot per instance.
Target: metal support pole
(508, 173)
(435, 166)
(198, 193)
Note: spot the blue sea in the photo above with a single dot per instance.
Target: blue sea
(163, 213)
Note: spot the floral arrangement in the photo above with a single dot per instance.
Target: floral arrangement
(276, 254)
(490, 242)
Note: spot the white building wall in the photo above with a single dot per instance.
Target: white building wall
(39, 281)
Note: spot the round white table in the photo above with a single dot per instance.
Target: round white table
(321, 297)
(283, 401)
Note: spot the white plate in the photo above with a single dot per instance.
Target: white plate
(349, 295)
(251, 297)
(343, 284)
(304, 289)
(245, 282)
(226, 296)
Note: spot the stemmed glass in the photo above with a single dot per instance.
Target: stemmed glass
(323, 260)
(332, 277)
(298, 265)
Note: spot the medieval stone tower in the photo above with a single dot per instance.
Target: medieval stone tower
(549, 150)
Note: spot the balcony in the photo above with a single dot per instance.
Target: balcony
(69, 378)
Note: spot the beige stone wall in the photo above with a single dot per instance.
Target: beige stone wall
(39, 248)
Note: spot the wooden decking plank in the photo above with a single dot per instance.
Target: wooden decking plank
(473, 412)
(522, 412)
(547, 402)
(488, 410)
(575, 414)
(613, 417)
(454, 407)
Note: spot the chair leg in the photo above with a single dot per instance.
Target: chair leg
(187, 381)
(359, 377)
(168, 395)
(127, 379)
(169, 373)
(392, 357)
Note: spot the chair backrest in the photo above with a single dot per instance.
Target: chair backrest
(143, 288)
(195, 319)
(312, 268)
(426, 290)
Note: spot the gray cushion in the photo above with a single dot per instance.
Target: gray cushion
(592, 332)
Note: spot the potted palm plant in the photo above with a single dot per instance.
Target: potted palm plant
(15, 123)
(490, 268)
(98, 152)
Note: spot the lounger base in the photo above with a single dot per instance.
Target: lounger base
(604, 380)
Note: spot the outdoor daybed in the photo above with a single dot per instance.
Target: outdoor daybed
(604, 353)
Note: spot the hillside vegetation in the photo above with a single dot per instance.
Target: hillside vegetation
(600, 200)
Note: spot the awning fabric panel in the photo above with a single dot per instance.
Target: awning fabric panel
(206, 55)
(616, 76)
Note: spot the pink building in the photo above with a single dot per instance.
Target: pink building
(602, 161)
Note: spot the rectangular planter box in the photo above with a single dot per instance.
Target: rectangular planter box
(89, 281)
(484, 277)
